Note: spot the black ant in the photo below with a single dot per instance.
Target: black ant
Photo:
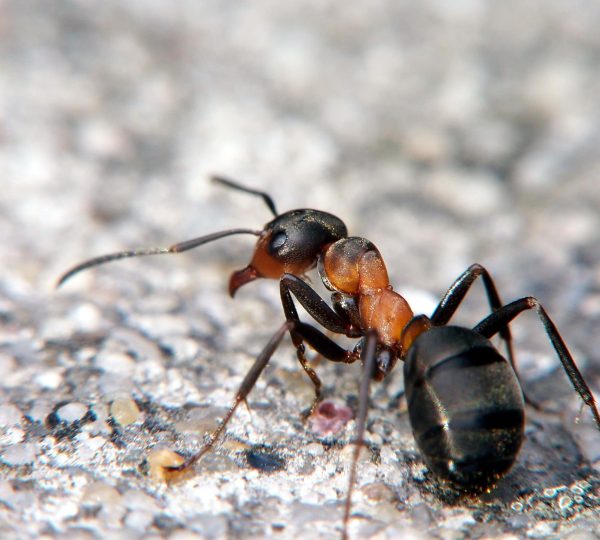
(465, 403)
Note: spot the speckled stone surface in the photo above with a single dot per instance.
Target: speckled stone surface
(445, 132)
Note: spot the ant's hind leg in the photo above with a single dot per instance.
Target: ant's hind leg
(456, 294)
(500, 318)
(248, 383)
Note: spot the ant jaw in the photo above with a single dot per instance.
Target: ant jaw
(241, 277)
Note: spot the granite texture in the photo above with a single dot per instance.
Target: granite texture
(445, 132)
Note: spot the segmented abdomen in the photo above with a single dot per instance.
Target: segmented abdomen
(465, 406)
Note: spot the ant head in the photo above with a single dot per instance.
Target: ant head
(291, 243)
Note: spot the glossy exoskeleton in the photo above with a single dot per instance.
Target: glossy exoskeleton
(465, 403)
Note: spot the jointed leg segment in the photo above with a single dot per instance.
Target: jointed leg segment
(500, 318)
(247, 384)
(456, 294)
(301, 332)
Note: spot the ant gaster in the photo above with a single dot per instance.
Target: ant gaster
(465, 403)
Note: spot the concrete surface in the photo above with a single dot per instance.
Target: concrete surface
(445, 132)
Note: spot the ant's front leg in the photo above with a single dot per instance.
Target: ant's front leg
(177, 471)
(300, 332)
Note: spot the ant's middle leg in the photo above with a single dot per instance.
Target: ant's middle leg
(320, 311)
(456, 294)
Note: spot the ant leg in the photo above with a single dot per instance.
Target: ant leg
(247, 384)
(320, 311)
(500, 318)
(323, 345)
(326, 347)
(315, 306)
(456, 294)
(368, 358)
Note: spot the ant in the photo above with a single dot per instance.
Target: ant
(465, 403)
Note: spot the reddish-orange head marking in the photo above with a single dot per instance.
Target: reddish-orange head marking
(291, 243)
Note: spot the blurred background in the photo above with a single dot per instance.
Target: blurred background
(445, 132)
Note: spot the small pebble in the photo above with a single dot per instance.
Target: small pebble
(7, 363)
(124, 411)
(10, 415)
(134, 499)
(39, 412)
(88, 446)
(72, 412)
(565, 502)
(7, 493)
(101, 493)
(117, 363)
(57, 328)
(86, 317)
(19, 454)
(139, 520)
(186, 535)
(160, 458)
(49, 379)
(264, 460)
(378, 492)
(12, 435)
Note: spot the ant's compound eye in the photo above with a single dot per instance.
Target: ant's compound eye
(277, 242)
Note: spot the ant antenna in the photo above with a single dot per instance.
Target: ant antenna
(234, 185)
(175, 248)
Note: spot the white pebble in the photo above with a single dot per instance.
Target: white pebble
(138, 500)
(56, 329)
(39, 411)
(117, 363)
(101, 493)
(19, 454)
(50, 379)
(10, 415)
(86, 317)
(7, 493)
(71, 412)
(139, 520)
(12, 435)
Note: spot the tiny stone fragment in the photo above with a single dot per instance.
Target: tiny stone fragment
(10, 415)
(101, 493)
(19, 454)
(160, 460)
(72, 412)
(139, 520)
(264, 460)
(124, 411)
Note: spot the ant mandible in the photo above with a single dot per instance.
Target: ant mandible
(465, 403)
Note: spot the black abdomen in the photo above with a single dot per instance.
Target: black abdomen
(465, 405)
